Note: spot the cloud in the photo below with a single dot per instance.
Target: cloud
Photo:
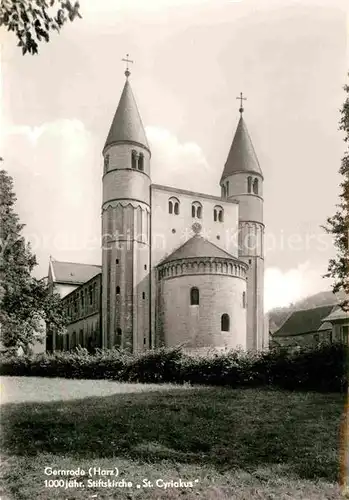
(150, 5)
(58, 182)
(64, 127)
(281, 288)
(58, 178)
(32, 133)
(177, 164)
(56, 171)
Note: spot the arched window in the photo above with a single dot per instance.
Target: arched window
(94, 293)
(173, 206)
(218, 214)
(90, 294)
(117, 290)
(134, 159)
(244, 300)
(82, 301)
(224, 192)
(141, 161)
(194, 296)
(196, 210)
(255, 186)
(249, 184)
(225, 323)
(227, 188)
(90, 343)
(59, 342)
(81, 338)
(118, 337)
(106, 163)
(73, 340)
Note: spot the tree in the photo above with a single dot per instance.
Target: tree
(27, 303)
(338, 225)
(33, 20)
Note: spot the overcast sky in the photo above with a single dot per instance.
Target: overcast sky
(192, 59)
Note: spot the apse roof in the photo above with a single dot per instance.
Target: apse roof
(197, 246)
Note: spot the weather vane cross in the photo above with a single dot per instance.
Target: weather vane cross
(241, 99)
(127, 60)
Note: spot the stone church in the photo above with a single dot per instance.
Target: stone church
(178, 267)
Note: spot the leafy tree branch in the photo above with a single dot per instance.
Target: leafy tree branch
(32, 21)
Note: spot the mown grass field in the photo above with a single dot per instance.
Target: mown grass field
(232, 444)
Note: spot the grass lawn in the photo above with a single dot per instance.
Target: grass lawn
(230, 444)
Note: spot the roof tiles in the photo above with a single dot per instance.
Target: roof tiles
(303, 321)
(242, 156)
(74, 273)
(197, 246)
(127, 124)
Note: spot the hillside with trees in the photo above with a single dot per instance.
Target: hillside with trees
(279, 314)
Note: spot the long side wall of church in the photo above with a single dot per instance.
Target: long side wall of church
(82, 307)
(82, 333)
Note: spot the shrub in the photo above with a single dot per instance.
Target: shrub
(324, 368)
(154, 366)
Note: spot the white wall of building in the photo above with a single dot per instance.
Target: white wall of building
(169, 231)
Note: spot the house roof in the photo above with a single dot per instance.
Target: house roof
(337, 315)
(127, 124)
(197, 246)
(303, 321)
(242, 156)
(325, 325)
(73, 272)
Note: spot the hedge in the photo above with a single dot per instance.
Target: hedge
(324, 368)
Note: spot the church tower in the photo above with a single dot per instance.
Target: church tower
(242, 180)
(126, 229)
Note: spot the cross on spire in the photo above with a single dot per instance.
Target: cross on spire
(127, 60)
(241, 99)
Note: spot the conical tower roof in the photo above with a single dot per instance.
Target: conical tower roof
(127, 124)
(242, 156)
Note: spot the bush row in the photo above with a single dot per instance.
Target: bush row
(324, 368)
